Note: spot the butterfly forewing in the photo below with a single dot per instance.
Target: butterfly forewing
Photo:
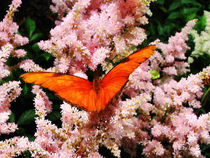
(114, 81)
(75, 90)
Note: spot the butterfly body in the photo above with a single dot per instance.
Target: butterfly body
(96, 84)
(95, 95)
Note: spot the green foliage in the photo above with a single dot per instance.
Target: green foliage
(30, 26)
(40, 57)
(133, 47)
(35, 48)
(54, 116)
(172, 15)
(46, 56)
(200, 24)
(26, 154)
(206, 99)
(26, 88)
(36, 36)
(155, 74)
(205, 150)
(27, 117)
(12, 117)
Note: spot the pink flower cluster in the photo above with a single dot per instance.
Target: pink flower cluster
(173, 59)
(183, 130)
(10, 40)
(158, 114)
(94, 30)
(8, 92)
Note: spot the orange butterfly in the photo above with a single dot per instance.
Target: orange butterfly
(93, 96)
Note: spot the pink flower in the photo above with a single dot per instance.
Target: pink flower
(170, 70)
(178, 145)
(94, 155)
(176, 49)
(85, 30)
(192, 138)
(153, 148)
(19, 53)
(14, 146)
(41, 101)
(7, 128)
(195, 151)
(157, 130)
(9, 91)
(99, 56)
(9, 29)
(20, 40)
(169, 59)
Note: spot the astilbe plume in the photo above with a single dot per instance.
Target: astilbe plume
(10, 40)
(146, 112)
(94, 30)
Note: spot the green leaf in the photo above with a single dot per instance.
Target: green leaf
(12, 117)
(26, 89)
(27, 117)
(21, 131)
(35, 48)
(169, 27)
(54, 116)
(161, 2)
(151, 30)
(174, 5)
(46, 56)
(36, 36)
(186, 1)
(206, 98)
(191, 2)
(191, 16)
(12, 61)
(155, 74)
(186, 11)
(203, 21)
(26, 154)
(207, 154)
(133, 47)
(174, 15)
(30, 26)
(160, 28)
(164, 9)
